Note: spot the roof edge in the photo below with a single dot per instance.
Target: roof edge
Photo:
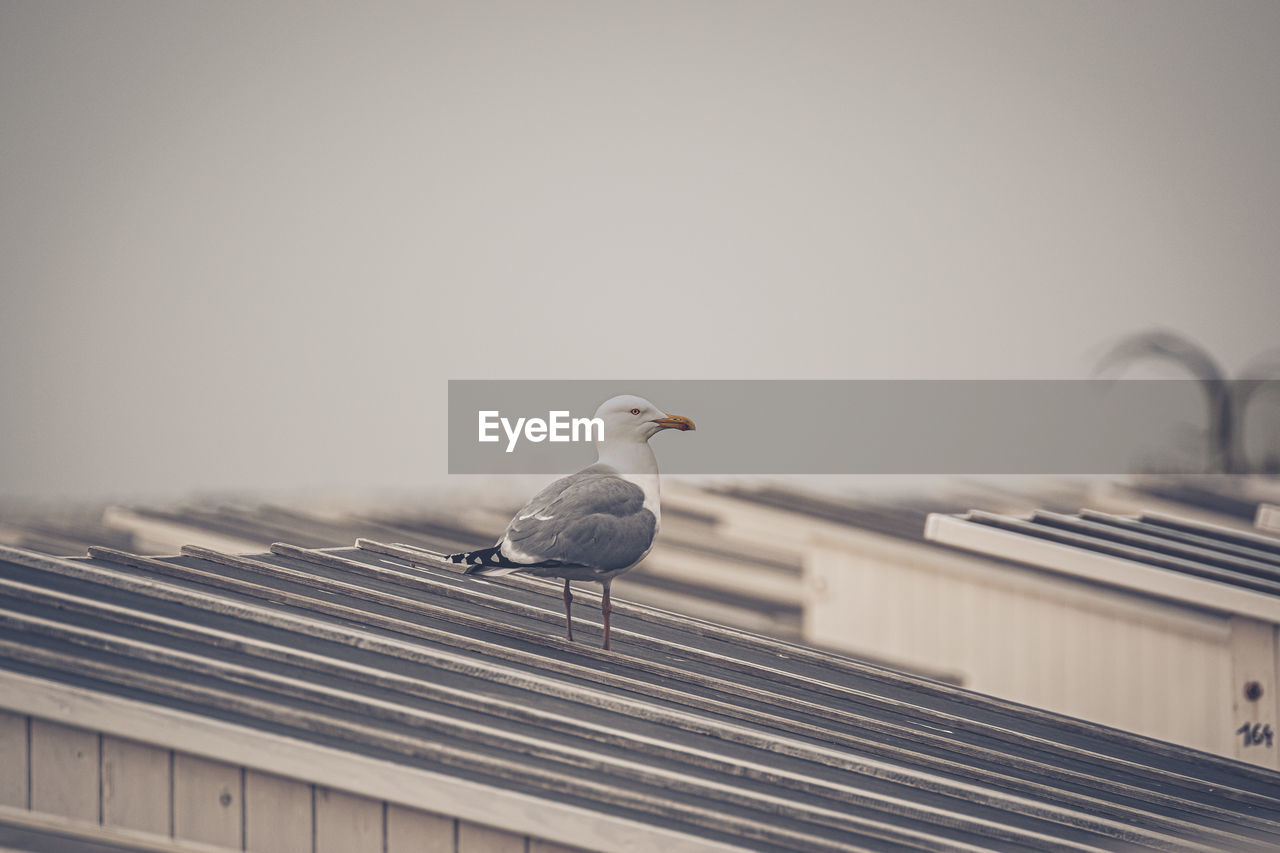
(429, 791)
(1102, 569)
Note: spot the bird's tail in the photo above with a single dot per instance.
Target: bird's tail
(480, 562)
(486, 562)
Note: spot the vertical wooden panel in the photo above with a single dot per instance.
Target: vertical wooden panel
(64, 771)
(207, 804)
(277, 814)
(473, 838)
(346, 823)
(1068, 646)
(13, 760)
(1087, 681)
(136, 790)
(1253, 691)
(1217, 672)
(1160, 705)
(1207, 669)
(413, 831)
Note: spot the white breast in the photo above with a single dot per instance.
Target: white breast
(648, 484)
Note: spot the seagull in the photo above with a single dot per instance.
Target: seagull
(595, 524)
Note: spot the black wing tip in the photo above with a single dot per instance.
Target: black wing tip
(476, 559)
(487, 560)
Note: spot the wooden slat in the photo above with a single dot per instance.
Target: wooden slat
(1147, 539)
(1218, 531)
(13, 760)
(417, 583)
(278, 814)
(1106, 569)
(1249, 550)
(537, 845)
(136, 790)
(473, 838)
(56, 833)
(1091, 543)
(64, 771)
(414, 831)
(398, 549)
(207, 801)
(346, 823)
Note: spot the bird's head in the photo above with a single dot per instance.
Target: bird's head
(634, 418)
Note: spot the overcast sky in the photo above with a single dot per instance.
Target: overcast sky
(244, 245)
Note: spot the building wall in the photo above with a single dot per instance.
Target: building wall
(89, 776)
(1104, 655)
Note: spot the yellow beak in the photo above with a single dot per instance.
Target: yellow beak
(679, 422)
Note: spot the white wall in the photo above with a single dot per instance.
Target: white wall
(1105, 655)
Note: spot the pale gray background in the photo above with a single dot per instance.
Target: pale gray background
(245, 245)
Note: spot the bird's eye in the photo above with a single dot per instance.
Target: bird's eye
(635, 411)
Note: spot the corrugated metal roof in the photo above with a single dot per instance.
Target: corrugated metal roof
(1235, 558)
(903, 515)
(687, 725)
(696, 570)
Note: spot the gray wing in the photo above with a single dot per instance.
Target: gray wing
(592, 518)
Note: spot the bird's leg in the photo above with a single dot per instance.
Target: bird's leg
(606, 607)
(568, 616)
